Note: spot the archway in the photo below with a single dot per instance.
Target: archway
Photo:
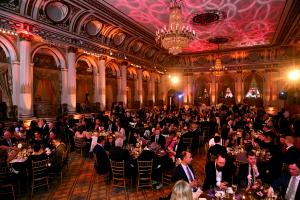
(46, 88)
(84, 86)
(202, 88)
(226, 90)
(5, 92)
(111, 74)
(253, 90)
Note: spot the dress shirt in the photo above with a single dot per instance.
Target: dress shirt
(218, 177)
(287, 148)
(186, 169)
(292, 197)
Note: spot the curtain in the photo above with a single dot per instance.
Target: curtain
(4, 84)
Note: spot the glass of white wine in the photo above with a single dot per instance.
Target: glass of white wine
(234, 189)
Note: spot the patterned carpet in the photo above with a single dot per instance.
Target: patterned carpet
(80, 182)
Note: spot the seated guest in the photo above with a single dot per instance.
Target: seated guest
(289, 184)
(81, 133)
(38, 139)
(38, 153)
(101, 156)
(173, 147)
(117, 153)
(8, 142)
(292, 153)
(158, 138)
(110, 143)
(3, 158)
(250, 171)
(217, 174)
(212, 142)
(216, 149)
(185, 171)
(57, 158)
(182, 191)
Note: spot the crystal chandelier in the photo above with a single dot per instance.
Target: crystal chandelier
(176, 36)
(218, 67)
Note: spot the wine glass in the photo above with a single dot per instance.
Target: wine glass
(234, 189)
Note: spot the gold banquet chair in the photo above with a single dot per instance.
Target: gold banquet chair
(6, 189)
(118, 176)
(80, 144)
(144, 178)
(39, 175)
(188, 142)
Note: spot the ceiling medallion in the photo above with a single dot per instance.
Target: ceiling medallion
(176, 36)
(208, 17)
(56, 11)
(119, 38)
(93, 27)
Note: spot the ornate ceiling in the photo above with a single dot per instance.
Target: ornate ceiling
(125, 29)
(246, 23)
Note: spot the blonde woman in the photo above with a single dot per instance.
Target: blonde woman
(182, 191)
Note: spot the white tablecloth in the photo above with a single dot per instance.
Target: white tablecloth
(93, 143)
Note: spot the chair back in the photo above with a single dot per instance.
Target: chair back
(117, 169)
(40, 169)
(188, 141)
(145, 169)
(80, 143)
(4, 174)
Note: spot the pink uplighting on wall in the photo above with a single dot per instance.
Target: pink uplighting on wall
(248, 23)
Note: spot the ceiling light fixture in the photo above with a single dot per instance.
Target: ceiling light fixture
(176, 36)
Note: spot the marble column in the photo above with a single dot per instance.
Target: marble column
(64, 86)
(163, 89)
(25, 108)
(16, 82)
(122, 84)
(267, 88)
(151, 89)
(71, 61)
(188, 89)
(140, 86)
(102, 83)
(238, 87)
(213, 90)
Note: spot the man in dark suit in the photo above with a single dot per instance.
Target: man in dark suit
(216, 149)
(102, 166)
(250, 171)
(8, 142)
(217, 174)
(158, 138)
(185, 171)
(60, 149)
(118, 154)
(292, 153)
(289, 184)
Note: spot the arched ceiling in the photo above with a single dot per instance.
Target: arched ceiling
(247, 23)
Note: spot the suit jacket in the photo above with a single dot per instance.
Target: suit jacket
(119, 154)
(291, 155)
(56, 162)
(179, 174)
(210, 178)
(5, 143)
(215, 150)
(283, 183)
(244, 172)
(161, 140)
(102, 160)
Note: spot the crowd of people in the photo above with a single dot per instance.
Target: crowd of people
(267, 145)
